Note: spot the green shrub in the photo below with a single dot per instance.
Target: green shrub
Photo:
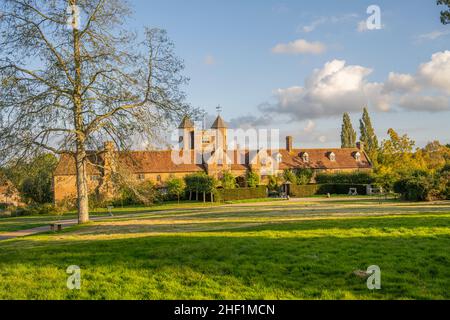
(289, 176)
(175, 188)
(252, 179)
(228, 181)
(349, 178)
(143, 193)
(274, 183)
(304, 176)
(422, 186)
(34, 210)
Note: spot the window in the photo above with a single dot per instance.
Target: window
(158, 178)
(279, 158)
(141, 176)
(205, 139)
(305, 157)
(332, 156)
(358, 156)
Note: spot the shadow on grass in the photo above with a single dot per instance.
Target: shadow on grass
(232, 267)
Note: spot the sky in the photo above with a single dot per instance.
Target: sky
(297, 66)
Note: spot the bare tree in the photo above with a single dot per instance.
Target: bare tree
(72, 76)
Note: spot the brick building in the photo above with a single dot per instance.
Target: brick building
(201, 151)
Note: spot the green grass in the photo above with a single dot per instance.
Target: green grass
(272, 251)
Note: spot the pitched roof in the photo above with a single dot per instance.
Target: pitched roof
(186, 123)
(164, 162)
(219, 123)
(319, 159)
(134, 162)
(161, 161)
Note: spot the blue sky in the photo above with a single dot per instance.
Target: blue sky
(228, 48)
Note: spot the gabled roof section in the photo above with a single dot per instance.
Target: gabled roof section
(186, 123)
(219, 123)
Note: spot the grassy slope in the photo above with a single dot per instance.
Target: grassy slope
(274, 252)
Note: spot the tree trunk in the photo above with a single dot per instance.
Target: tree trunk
(82, 188)
(80, 153)
(190, 195)
(204, 196)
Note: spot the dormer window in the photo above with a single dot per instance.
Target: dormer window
(332, 156)
(305, 157)
(358, 156)
(279, 158)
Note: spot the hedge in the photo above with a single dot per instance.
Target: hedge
(345, 178)
(316, 189)
(241, 193)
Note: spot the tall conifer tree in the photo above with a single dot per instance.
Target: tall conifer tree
(348, 134)
(368, 136)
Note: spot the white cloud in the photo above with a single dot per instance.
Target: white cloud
(421, 103)
(310, 126)
(362, 26)
(337, 88)
(436, 73)
(330, 91)
(299, 46)
(433, 35)
(209, 60)
(326, 20)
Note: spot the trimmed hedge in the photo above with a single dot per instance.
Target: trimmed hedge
(241, 193)
(317, 189)
(345, 178)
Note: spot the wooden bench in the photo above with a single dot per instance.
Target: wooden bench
(55, 226)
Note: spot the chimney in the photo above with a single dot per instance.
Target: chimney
(289, 143)
(108, 157)
(360, 146)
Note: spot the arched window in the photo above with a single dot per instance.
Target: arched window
(305, 157)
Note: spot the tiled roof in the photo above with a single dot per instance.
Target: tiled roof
(319, 159)
(162, 162)
(134, 161)
(186, 123)
(219, 123)
(159, 161)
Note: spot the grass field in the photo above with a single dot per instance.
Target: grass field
(280, 250)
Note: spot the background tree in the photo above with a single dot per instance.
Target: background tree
(33, 177)
(368, 136)
(397, 159)
(348, 134)
(175, 187)
(304, 176)
(445, 14)
(253, 179)
(228, 181)
(289, 176)
(65, 86)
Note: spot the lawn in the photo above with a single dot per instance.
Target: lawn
(285, 250)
